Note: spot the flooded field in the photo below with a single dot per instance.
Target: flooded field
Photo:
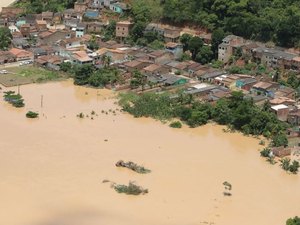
(52, 168)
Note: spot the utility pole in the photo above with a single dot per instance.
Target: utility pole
(42, 99)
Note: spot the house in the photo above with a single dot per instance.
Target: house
(92, 14)
(264, 88)
(281, 151)
(218, 93)
(94, 27)
(172, 80)
(136, 65)
(6, 57)
(211, 75)
(119, 7)
(246, 83)
(228, 47)
(96, 4)
(37, 52)
(80, 29)
(176, 67)
(174, 48)
(12, 11)
(80, 7)
(171, 34)
(200, 90)
(81, 57)
(68, 14)
(41, 25)
(155, 28)
(284, 91)
(21, 54)
(294, 117)
(3, 22)
(71, 23)
(71, 43)
(281, 111)
(107, 3)
(155, 69)
(160, 57)
(123, 29)
(50, 61)
(282, 100)
(52, 37)
(48, 17)
(275, 58)
(25, 30)
(57, 18)
(13, 28)
(20, 42)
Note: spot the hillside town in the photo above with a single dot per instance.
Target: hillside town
(51, 39)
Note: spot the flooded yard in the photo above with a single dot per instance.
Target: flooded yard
(52, 168)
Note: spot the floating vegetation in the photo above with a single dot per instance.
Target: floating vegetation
(228, 188)
(133, 166)
(15, 99)
(130, 189)
(31, 114)
(80, 115)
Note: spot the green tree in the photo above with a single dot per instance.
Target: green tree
(5, 38)
(279, 140)
(82, 74)
(293, 221)
(205, 55)
(194, 45)
(216, 38)
(185, 39)
(138, 79)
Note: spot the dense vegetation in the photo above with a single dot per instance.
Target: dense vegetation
(293, 221)
(38, 6)
(130, 189)
(5, 38)
(31, 114)
(15, 99)
(89, 75)
(237, 112)
(263, 20)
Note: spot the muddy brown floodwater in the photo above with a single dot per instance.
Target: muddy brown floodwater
(52, 168)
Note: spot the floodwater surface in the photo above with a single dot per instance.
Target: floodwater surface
(52, 168)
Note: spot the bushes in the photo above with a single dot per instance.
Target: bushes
(15, 99)
(31, 114)
(176, 124)
(131, 189)
(293, 221)
(133, 166)
(288, 166)
(265, 152)
(237, 112)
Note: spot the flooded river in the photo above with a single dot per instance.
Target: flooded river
(52, 168)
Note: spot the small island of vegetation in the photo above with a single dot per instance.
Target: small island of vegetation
(31, 114)
(130, 189)
(133, 166)
(14, 99)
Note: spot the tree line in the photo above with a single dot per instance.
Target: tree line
(237, 112)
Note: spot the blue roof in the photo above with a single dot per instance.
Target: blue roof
(92, 14)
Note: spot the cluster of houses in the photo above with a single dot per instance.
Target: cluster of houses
(49, 39)
(272, 57)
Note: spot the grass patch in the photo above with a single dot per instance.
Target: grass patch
(29, 74)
